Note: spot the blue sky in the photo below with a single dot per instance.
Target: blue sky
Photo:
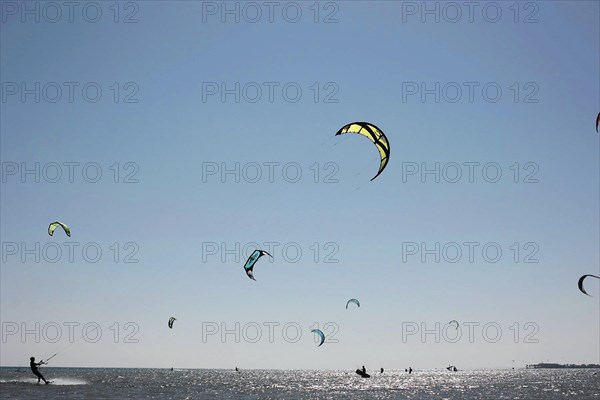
(362, 65)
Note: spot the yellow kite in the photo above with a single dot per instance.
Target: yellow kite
(375, 135)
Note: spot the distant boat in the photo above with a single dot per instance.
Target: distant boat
(362, 374)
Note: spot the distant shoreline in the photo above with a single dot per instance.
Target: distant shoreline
(553, 365)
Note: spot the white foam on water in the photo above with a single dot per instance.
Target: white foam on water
(67, 381)
(56, 381)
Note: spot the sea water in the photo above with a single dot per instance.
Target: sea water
(109, 383)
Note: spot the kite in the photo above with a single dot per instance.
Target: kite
(454, 321)
(249, 266)
(355, 301)
(375, 135)
(580, 283)
(171, 320)
(55, 225)
(597, 121)
(321, 334)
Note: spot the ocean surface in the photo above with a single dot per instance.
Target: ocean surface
(108, 383)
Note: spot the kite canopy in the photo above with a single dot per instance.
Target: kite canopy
(355, 301)
(321, 334)
(249, 266)
(580, 283)
(171, 320)
(597, 121)
(375, 135)
(52, 227)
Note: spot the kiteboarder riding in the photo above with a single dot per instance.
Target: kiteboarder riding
(34, 369)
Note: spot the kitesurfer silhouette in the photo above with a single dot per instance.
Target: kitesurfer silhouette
(364, 370)
(410, 370)
(34, 369)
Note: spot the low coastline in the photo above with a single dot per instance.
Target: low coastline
(555, 365)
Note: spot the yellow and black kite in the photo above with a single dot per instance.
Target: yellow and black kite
(375, 135)
(52, 227)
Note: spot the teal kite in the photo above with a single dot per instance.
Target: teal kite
(321, 334)
(355, 301)
(249, 266)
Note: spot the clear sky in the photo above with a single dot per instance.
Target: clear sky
(170, 119)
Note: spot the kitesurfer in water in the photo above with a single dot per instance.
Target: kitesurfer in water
(237, 369)
(364, 370)
(34, 368)
(410, 370)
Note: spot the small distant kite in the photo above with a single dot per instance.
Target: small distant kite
(375, 135)
(455, 322)
(171, 320)
(52, 227)
(321, 334)
(580, 283)
(355, 301)
(249, 266)
(597, 121)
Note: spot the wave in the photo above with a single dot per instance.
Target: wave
(55, 381)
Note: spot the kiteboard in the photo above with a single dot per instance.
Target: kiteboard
(362, 374)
